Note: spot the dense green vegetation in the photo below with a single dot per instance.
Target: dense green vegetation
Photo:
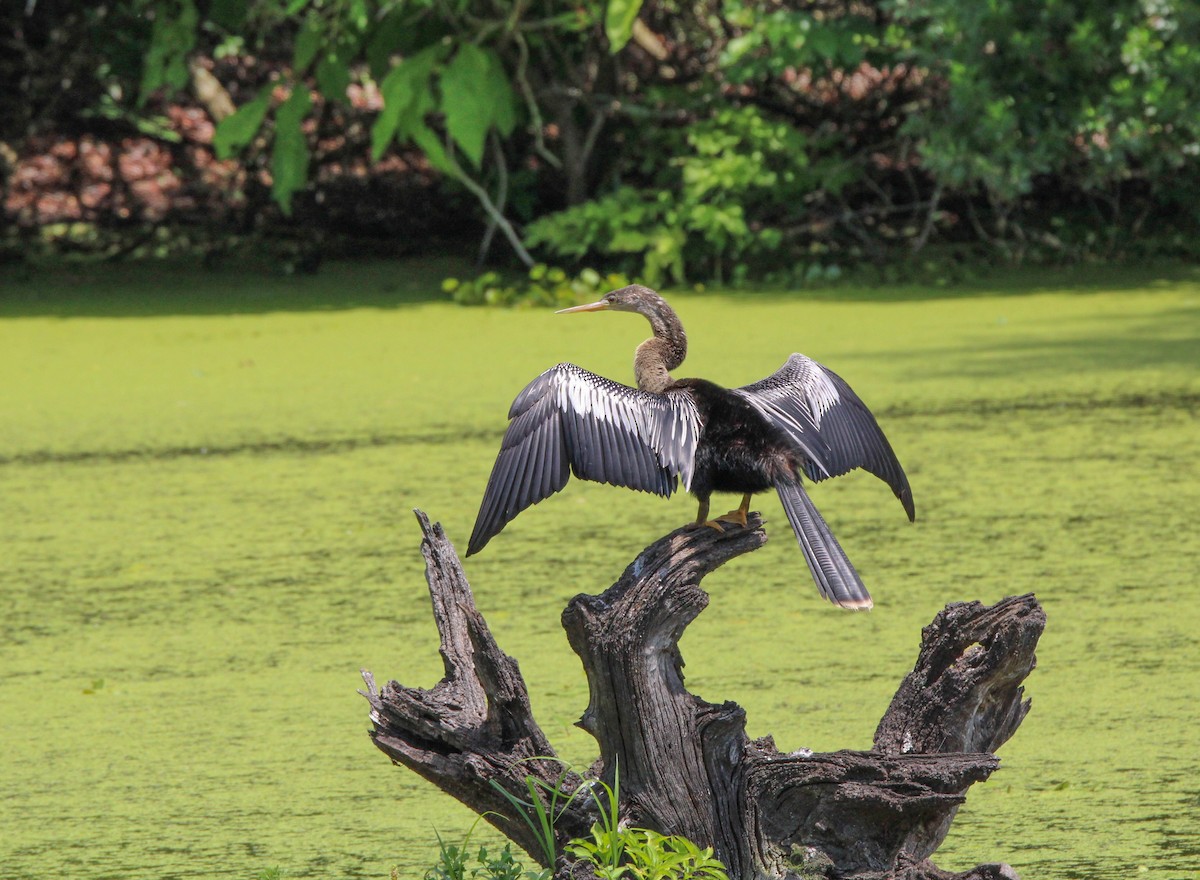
(613, 849)
(669, 140)
(205, 485)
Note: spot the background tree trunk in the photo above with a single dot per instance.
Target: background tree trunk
(687, 766)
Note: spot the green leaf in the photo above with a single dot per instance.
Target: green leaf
(475, 97)
(308, 43)
(333, 77)
(468, 116)
(237, 130)
(407, 97)
(497, 90)
(629, 241)
(619, 17)
(289, 159)
(171, 39)
(424, 138)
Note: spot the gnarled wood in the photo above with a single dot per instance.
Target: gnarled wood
(475, 725)
(686, 766)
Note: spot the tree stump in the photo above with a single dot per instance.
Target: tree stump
(686, 766)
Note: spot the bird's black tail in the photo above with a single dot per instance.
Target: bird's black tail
(831, 569)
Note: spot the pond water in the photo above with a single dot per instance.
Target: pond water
(207, 532)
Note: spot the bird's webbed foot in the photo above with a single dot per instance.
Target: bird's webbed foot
(737, 517)
(734, 516)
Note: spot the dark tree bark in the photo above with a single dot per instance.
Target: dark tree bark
(686, 766)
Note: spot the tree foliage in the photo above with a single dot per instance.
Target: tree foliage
(676, 140)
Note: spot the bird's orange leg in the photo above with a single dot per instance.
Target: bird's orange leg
(702, 518)
(737, 516)
(734, 516)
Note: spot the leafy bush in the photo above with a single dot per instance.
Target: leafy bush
(646, 855)
(725, 140)
(542, 286)
(727, 201)
(1066, 118)
(461, 862)
(613, 852)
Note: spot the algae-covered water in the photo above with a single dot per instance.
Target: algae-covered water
(205, 492)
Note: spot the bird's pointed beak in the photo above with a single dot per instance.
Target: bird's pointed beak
(590, 307)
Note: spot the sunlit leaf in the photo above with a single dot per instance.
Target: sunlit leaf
(499, 93)
(467, 115)
(619, 17)
(237, 130)
(475, 97)
(407, 97)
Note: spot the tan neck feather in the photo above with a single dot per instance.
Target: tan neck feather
(651, 365)
(656, 357)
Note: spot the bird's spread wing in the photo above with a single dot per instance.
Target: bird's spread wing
(802, 392)
(569, 420)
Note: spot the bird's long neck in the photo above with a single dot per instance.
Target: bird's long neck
(656, 357)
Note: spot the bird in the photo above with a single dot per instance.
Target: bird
(801, 421)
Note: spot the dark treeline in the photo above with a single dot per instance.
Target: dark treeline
(675, 141)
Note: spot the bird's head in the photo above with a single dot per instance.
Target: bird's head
(633, 298)
(655, 357)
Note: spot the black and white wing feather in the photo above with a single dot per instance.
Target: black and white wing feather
(802, 392)
(571, 421)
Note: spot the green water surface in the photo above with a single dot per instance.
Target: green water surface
(205, 492)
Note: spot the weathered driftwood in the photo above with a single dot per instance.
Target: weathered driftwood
(687, 766)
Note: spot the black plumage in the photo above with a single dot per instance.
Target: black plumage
(803, 419)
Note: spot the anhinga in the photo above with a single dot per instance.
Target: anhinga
(804, 419)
